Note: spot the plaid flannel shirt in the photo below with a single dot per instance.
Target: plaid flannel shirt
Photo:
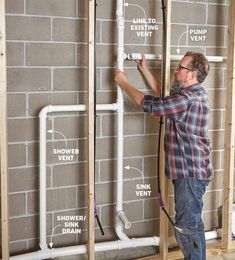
(187, 147)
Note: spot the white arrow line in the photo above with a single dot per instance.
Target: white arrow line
(50, 131)
(178, 49)
(130, 167)
(52, 233)
(145, 16)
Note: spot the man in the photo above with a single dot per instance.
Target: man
(186, 145)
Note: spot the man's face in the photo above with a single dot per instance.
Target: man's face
(184, 73)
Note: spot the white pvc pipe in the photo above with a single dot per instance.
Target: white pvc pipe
(137, 56)
(99, 247)
(120, 60)
(43, 117)
(82, 249)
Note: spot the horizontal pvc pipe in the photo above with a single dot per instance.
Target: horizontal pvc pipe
(99, 247)
(75, 108)
(82, 249)
(137, 56)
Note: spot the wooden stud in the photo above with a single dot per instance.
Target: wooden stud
(91, 132)
(163, 180)
(229, 134)
(3, 136)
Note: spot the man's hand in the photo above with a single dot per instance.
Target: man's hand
(142, 64)
(120, 77)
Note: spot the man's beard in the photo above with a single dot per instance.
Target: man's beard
(176, 86)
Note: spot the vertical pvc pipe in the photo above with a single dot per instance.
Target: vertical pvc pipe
(42, 184)
(120, 61)
(91, 131)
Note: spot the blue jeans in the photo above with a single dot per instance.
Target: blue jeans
(188, 209)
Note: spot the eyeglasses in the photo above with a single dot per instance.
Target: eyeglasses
(180, 67)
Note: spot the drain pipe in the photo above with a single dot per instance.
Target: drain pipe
(121, 219)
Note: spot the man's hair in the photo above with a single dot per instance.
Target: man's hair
(200, 64)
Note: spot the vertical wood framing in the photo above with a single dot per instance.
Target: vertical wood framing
(3, 135)
(229, 134)
(91, 132)
(163, 179)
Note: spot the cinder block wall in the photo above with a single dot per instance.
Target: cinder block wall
(47, 64)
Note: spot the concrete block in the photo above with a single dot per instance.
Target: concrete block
(105, 193)
(26, 227)
(18, 247)
(69, 174)
(63, 198)
(16, 105)
(151, 209)
(106, 97)
(217, 139)
(140, 145)
(23, 130)
(82, 197)
(133, 124)
(215, 124)
(215, 78)
(28, 28)
(144, 229)
(52, 7)
(17, 155)
(104, 60)
(109, 125)
(16, 49)
(78, 126)
(15, 6)
(82, 9)
(108, 145)
(17, 204)
(82, 55)
(28, 79)
(215, 102)
(50, 54)
(218, 14)
(23, 179)
(183, 12)
(211, 200)
(212, 219)
(217, 181)
(134, 210)
(108, 12)
(107, 79)
(70, 79)
(216, 160)
(69, 30)
(150, 166)
(151, 124)
(23, 227)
